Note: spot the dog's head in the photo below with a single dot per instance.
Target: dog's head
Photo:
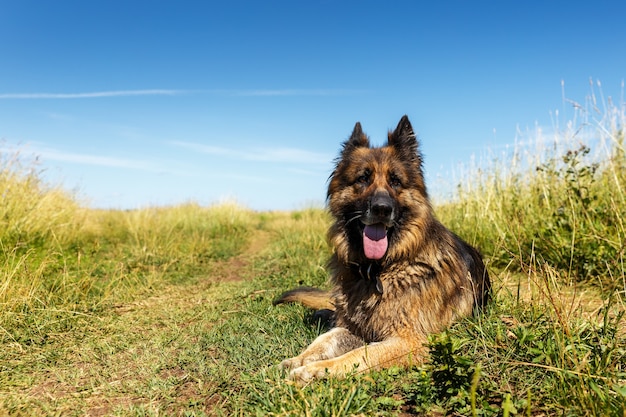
(376, 195)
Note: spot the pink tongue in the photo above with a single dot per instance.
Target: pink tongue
(375, 241)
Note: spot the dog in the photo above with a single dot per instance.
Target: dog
(398, 274)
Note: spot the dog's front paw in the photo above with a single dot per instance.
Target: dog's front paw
(291, 363)
(307, 373)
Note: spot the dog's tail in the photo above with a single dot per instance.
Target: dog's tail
(308, 296)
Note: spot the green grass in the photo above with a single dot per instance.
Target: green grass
(168, 311)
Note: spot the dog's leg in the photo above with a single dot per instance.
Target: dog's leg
(395, 351)
(331, 344)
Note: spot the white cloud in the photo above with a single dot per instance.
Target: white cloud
(170, 92)
(290, 155)
(307, 172)
(40, 152)
(86, 159)
(291, 92)
(96, 94)
(58, 116)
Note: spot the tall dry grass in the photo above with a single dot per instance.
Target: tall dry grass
(554, 201)
(35, 218)
(33, 211)
(55, 252)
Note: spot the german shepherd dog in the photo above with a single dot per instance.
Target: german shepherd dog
(398, 273)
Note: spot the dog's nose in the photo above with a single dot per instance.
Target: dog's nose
(382, 207)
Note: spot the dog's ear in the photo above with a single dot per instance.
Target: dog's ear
(403, 138)
(358, 139)
(404, 141)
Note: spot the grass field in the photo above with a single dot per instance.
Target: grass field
(168, 311)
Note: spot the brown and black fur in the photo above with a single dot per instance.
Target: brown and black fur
(385, 308)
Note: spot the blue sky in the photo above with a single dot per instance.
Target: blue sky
(142, 103)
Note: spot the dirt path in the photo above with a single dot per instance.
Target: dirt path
(234, 268)
(126, 359)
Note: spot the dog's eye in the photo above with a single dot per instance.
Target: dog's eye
(394, 181)
(364, 178)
